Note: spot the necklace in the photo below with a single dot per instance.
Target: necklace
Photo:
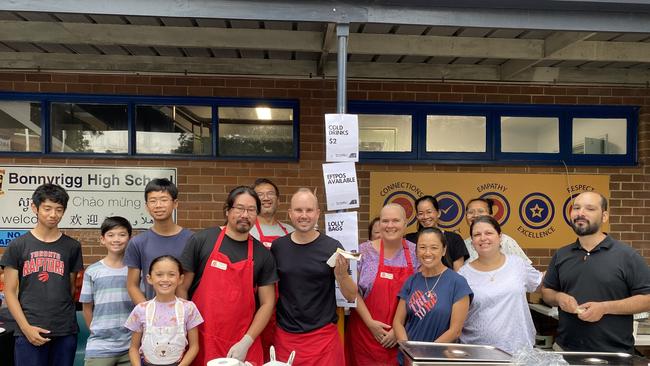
(426, 283)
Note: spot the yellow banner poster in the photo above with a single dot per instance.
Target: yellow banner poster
(532, 208)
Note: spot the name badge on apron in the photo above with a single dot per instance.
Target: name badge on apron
(221, 265)
(388, 276)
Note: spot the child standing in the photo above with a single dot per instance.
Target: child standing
(106, 302)
(164, 326)
(40, 268)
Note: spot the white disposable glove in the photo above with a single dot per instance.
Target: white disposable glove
(240, 349)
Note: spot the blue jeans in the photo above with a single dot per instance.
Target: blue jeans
(59, 351)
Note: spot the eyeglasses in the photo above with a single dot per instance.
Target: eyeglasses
(427, 212)
(239, 210)
(162, 201)
(269, 194)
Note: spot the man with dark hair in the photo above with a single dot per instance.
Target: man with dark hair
(224, 266)
(40, 268)
(164, 237)
(598, 283)
(267, 227)
(483, 207)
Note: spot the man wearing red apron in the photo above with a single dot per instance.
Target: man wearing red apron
(306, 309)
(381, 302)
(224, 267)
(267, 228)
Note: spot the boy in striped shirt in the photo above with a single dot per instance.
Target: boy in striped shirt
(106, 301)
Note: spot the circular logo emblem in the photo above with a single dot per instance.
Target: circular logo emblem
(500, 206)
(566, 209)
(407, 201)
(452, 209)
(536, 210)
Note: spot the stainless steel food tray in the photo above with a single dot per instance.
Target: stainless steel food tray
(603, 358)
(453, 352)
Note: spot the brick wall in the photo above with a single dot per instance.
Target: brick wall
(204, 184)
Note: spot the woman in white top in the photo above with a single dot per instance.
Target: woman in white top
(499, 315)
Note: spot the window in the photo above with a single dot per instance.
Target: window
(443, 136)
(497, 133)
(20, 126)
(173, 127)
(89, 128)
(530, 134)
(383, 132)
(251, 131)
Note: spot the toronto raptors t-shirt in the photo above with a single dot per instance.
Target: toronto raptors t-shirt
(44, 281)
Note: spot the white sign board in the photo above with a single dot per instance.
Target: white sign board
(343, 227)
(95, 193)
(341, 186)
(341, 137)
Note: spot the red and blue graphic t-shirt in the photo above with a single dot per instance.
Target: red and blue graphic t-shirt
(44, 281)
(428, 313)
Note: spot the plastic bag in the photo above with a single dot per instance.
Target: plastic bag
(533, 357)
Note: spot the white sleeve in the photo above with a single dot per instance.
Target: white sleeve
(533, 277)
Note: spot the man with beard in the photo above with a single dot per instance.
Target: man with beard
(267, 228)
(306, 310)
(598, 283)
(224, 266)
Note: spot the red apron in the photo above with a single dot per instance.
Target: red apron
(269, 332)
(320, 347)
(225, 298)
(361, 347)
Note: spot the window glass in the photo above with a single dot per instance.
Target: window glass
(173, 129)
(256, 131)
(89, 128)
(456, 133)
(20, 126)
(385, 132)
(530, 134)
(599, 136)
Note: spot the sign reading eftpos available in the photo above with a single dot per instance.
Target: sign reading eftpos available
(341, 137)
(342, 226)
(95, 193)
(341, 186)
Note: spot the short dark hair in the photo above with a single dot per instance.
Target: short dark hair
(161, 185)
(486, 220)
(230, 201)
(603, 201)
(166, 258)
(487, 201)
(260, 181)
(52, 192)
(370, 225)
(113, 222)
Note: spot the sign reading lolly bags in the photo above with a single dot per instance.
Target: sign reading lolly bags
(341, 186)
(341, 137)
(532, 208)
(343, 227)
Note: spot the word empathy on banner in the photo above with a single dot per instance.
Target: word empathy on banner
(95, 193)
(534, 209)
(343, 226)
(341, 137)
(341, 186)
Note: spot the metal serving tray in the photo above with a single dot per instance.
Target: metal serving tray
(452, 352)
(603, 358)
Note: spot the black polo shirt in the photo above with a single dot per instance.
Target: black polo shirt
(611, 271)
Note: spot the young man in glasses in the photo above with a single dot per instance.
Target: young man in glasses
(267, 227)
(224, 266)
(164, 237)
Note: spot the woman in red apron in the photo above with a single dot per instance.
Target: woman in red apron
(369, 339)
(269, 332)
(226, 299)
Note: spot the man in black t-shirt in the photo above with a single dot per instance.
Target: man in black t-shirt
(40, 268)
(597, 282)
(306, 309)
(224, 267)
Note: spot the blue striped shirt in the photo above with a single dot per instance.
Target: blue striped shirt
(105, 287)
